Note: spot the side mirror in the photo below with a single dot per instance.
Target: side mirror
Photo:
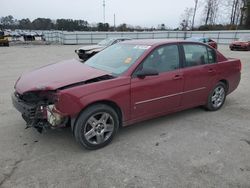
(146, 72)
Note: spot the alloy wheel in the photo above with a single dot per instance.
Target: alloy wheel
(218, 96)
(99, 128)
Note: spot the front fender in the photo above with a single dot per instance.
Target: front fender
(70, 105)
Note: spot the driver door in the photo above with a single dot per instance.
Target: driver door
(156, 95)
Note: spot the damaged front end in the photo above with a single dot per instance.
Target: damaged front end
(84, 54)
(38, 109)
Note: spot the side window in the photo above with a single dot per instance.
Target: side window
(163, 59)
(195, 55)
(211, 56)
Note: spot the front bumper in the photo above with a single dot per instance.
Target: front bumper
(37, 115)
(26, 109)
(83, 54)
(30, 113)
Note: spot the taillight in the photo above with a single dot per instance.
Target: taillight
(240, 66)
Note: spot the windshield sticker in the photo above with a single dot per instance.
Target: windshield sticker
(128, 60)
(142, 47)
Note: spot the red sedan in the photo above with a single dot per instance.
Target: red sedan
(241, 44)
(126, 83)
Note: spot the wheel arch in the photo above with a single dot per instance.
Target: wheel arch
(224, 81)
(106, 102)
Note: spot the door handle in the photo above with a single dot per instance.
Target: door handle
(177, 77)
(211, 70)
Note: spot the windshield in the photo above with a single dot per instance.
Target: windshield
(106, 42)
(117, 58)
(244, 39)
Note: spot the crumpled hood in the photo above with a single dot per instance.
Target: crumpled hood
(91, 47)
(54, 76)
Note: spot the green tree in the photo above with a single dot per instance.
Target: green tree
(122, 27)
(103, 27)
(42, 24)
(72, 25)
(7, 22)
(25, 24)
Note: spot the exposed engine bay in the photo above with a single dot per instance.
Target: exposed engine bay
(38, 109)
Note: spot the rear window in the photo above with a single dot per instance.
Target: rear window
(211, 56)
(195, 55)
(198, 55)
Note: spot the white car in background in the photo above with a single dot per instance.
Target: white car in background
(86, 52)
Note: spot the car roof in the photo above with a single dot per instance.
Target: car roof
(155, 42)
(196, 38)
(116, 38)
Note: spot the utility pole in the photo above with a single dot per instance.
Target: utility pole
(195, 9)
(104, 4)
(114, 22)
(247, 23)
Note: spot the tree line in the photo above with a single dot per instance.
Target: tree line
(217, 15)
(9, 22)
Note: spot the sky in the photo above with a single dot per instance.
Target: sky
(145, 13)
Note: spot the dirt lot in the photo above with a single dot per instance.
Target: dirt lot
(193, 148)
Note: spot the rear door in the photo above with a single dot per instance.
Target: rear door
(200, 74)
(158, 94)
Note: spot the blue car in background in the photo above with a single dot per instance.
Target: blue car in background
(205, 40)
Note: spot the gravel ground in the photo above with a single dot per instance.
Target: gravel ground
(193, 148)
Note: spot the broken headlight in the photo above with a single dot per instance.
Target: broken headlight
(54, 117)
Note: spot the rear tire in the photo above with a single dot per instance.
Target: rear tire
(217, 97)
(6, 44)
(96, 126)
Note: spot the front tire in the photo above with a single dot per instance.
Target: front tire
(217, 97)
(6, 44)
(96, 126)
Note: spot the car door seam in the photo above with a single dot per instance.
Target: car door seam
(168, 96)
